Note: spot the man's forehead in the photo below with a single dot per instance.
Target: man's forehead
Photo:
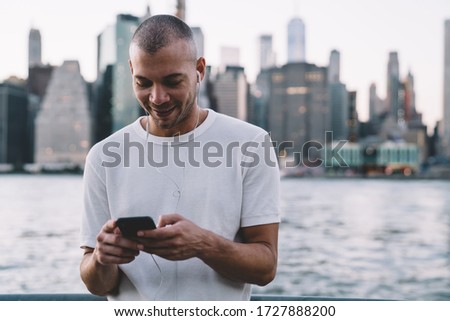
(180, 48)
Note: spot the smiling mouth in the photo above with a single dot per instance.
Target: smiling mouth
(163, 113)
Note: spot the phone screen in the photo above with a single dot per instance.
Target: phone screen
(129, 226)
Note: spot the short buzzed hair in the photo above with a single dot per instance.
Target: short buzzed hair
(160, 31)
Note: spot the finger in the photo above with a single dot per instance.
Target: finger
(112, 250)
(117, 240)
(169, 219)
(109, 226)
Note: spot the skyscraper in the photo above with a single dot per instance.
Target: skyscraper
(181, 9)
(13, 123)
(446, 112)
(409, 99)
(63, 125)
(296, 41)
(231, 91)
(34, 48)
(199, 40)
(376, 107)
(334, 67)
(266, 53)
(113, 44)
(298, 109)
(338, 98)
(393, 86)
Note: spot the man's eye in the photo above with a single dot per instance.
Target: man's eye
(173, 83)
(142, 84)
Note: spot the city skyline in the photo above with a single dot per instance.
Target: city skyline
(363, 33)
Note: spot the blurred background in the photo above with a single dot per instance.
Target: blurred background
(365, 215)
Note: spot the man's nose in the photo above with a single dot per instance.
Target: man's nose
(158, 95)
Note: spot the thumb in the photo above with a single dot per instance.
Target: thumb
(169, 219)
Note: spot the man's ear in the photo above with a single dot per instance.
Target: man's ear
(131, 66)
(201, 67)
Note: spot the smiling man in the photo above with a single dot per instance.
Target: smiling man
(217, 228)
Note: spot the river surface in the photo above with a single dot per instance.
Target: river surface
(348, 238)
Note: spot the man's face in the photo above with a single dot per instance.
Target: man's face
(165, 86)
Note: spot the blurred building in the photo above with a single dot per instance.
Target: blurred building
(334, 67)
(203, 94)
(446, 112)
(376, 107)
(199, 41)
(353, 120)
(231, 91)
(181, 9)
(296, 41)
(393, 86)
(63, 124)
(298, 109)
(114, 78)
(13, 124)
(34, 48)
(259, 107)
(37, 82)
(267, 57)
(338, 99)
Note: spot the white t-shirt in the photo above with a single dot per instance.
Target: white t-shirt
(222, 176)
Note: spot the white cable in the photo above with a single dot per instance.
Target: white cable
(161, 277)
(179, 190)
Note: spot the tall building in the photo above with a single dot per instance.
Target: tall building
(266, 54)
(34, 48)
(37, 82)
(340, 110)
(338, 98)
(376, 106)
(148, 14)
(203, 99)
(181, 9)
(446, 111)
(113, 44)
(296, 41)
(63, 124)
(258, 112)
(353, 122)
(334, 67)
(407, 113)
(298, 109)
(393, 86)
(231, 91)
(199, 41)
(13, 123)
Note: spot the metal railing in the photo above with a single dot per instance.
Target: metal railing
(91, 297)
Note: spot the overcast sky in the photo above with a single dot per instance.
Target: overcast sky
(363, 31)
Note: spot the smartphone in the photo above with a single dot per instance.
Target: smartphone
(129, 226)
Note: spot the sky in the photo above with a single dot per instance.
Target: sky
(364, 32)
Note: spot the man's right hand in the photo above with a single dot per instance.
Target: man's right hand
(113, 248)
(99, 268)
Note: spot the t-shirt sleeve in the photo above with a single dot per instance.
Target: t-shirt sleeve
(261, 183)
(96, 209)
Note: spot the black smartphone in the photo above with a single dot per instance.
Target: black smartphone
(129, 226)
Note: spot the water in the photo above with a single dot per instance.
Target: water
(379, 239)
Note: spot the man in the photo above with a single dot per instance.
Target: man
(211, 179)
